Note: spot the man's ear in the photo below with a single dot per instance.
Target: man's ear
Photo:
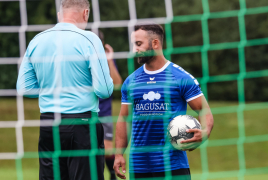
(86, 15)
(155, 44)
(59, 18)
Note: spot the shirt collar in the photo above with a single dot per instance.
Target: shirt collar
(65, 25)
(156, 71)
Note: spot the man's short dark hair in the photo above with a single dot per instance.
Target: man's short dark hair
(152, 28)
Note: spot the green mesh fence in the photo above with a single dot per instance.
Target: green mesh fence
(204, 80)
(243, 74)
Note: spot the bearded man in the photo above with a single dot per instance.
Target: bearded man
(157, 92)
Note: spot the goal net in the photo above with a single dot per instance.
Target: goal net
(240, 146)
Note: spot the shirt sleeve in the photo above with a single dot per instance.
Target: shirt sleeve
(27, 84)
(125, 94)
(101, 79)
(190, 88)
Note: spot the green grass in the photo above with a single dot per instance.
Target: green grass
(220, 158)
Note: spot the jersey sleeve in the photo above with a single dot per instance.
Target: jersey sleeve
(125, 93)
(101, 79)
(27, 84)
(190, 89)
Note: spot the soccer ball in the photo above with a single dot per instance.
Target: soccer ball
(177, 129)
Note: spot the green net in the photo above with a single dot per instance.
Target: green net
(206, 78)
(242, 140)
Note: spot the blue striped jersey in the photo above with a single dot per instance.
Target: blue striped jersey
(66, 68)
(157, 97)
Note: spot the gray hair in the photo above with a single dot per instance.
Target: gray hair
(74, 3)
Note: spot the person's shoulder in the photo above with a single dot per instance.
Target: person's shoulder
(182, 76)
(179, 72)
(137, 73)
(39, 35)
(36, 38)
(134, 75)
(91, 35)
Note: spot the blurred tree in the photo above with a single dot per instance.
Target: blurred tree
(41, 12)
(9, 13)
(111, 10)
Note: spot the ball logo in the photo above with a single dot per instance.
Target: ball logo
(152, 96)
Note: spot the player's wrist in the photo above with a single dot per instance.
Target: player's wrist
(118, 152)
(205, 135)
(110, 60)
(208, 134)
(118, 155)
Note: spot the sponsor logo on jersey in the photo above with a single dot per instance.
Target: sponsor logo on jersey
(152, 107)
(151, 96)
(151, 81)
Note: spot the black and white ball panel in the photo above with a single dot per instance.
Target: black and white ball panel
(177, 129)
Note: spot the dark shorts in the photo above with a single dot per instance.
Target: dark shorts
(107, 123)
(179, 174)
(70, 166)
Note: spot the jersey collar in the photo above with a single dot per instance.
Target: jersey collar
(156, 71)
(65, 25)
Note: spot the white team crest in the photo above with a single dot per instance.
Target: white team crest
(152, 78)
(152, 96)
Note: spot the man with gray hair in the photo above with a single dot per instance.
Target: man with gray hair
(66, 68)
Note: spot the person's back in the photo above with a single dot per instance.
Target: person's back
(64, 60)
(66, 68)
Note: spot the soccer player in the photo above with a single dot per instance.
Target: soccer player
(105, 114)
(66, 68)
(157, 92)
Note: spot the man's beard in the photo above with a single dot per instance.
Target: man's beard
(146, 56)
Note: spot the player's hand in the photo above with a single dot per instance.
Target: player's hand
(109, 51)
(194, 142)
(120, 162)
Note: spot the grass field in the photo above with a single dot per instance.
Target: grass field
(220, 158)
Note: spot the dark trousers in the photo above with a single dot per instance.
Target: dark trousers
(179, 174)
(71, 166)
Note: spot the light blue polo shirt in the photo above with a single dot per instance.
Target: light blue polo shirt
(66, 68)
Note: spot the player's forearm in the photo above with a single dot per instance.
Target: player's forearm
(207, 121)
(210, 123)
(205, 117)
(121, 137)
